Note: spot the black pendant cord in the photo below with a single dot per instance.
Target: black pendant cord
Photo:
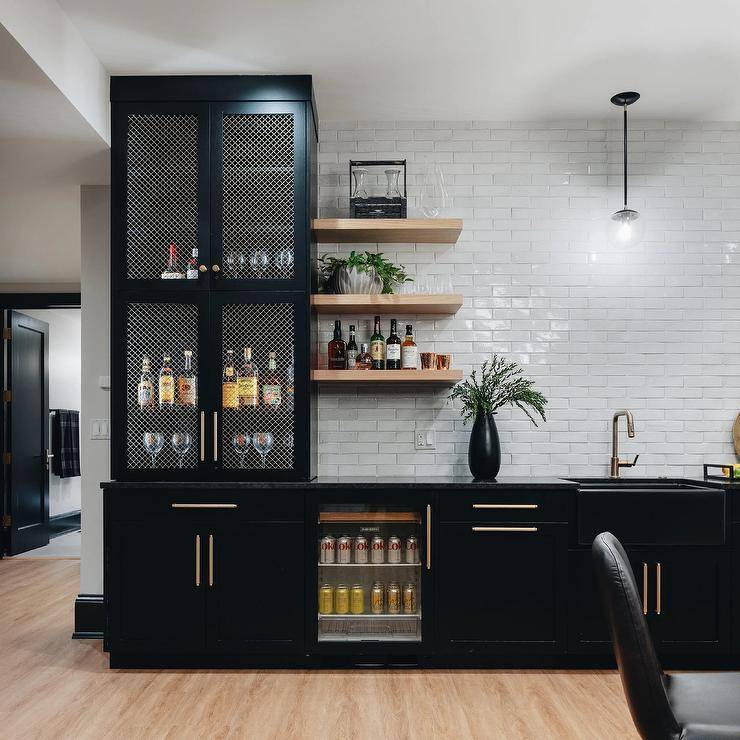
(625, 156)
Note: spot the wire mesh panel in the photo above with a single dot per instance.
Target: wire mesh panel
(258, 200)
(156, 331)
(261, 435)
(161, 192)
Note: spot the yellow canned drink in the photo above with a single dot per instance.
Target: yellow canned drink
(341, 599)
(357, 599)
(394, 598)
(326, 599)
(409, 598)
(377, 598)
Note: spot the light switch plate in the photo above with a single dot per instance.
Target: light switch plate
(99, 429)
(104, 382)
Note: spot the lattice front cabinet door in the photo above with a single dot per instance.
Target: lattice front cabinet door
(258, 196)
(259, 434)
(162, 430)
(161, 192)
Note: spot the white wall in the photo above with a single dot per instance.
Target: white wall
(95, 362)
(655, 329)
(65, 355)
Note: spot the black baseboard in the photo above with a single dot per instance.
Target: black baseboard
(64, 523)
(89, 617)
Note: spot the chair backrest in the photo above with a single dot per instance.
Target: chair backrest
(641, 673)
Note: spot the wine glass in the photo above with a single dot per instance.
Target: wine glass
(262, 442)
(153, 444)
(181, 442)
(284, 259)
(258, 260)
(240, 442)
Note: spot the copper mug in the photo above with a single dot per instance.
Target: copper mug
(444, 362)
(427, 360)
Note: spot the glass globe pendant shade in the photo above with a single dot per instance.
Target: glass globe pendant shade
(626, 228)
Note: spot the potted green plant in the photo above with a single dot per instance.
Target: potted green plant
(501, 384)
(361, 273)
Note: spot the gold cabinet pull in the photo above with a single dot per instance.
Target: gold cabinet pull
(644, 589)
(215, 268)
(505, 506)
(197, 560)
(202, 268)
(210, 560)
(429, 536)
(504, 529)
(215, 436)
(658, 587)
(202, 436)
(203, 506)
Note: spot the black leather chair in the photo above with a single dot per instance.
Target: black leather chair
(684, 706)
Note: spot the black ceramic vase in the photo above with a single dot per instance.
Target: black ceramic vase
(484, 449)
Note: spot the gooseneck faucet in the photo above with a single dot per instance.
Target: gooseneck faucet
(616, 463)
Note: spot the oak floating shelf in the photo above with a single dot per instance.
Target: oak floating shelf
(387, 230)
(430, 377)
(440, 304)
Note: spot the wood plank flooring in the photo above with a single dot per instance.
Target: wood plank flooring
(54, 687)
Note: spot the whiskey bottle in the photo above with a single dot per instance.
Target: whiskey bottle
(229, 392)
(192, 271)
(272, 391)
(337, 349)
(352, 351)
(247, 382)
(145, 389)
(377, 347)
(364, 359)
(409, 350)
(172, 271)
(166, 383)
(186, 382)
(393, 349)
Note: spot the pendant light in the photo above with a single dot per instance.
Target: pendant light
(626, 226)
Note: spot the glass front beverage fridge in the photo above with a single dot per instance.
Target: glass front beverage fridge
(372, 583)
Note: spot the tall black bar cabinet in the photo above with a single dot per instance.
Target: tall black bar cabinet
(213, 191)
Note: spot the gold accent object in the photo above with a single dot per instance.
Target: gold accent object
(210, 560)
(504, 529)
(615, 464)
(658, 587)
(215, 436)
(202, 268)
(202, 436)
(505, 506)
(204, 506)
(215, 268)
(644, 589)
(197, 560)
(736, 435)
(429, 536)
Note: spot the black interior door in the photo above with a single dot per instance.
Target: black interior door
(27, 438)
(501, 590)
(256, 586)
(155, 588)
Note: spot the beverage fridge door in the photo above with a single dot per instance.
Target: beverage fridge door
(372, 577)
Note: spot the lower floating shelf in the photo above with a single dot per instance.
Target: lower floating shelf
(428, 377)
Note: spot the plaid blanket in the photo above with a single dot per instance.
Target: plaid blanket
(65, 443)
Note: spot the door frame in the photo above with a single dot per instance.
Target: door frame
(20, 301)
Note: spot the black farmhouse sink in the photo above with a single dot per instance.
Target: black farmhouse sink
(640, 483)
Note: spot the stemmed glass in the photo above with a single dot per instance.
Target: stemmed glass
(153, 444)
(258, 260)
(284, 259)
(262, 442)
(240, 442)
(181, 442)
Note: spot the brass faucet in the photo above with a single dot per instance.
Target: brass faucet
(616, 463)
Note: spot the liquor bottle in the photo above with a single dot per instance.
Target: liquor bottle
(364, 359)
(272, 390)
(290, 378)
(192, 271)
(145, 390)
(166, 383)
(337, 349)
(351, 349)
(247, 382)
(229, 391)
(393, 349)
(186, 382)
(172, 271)
(377, 347)
(409, 350)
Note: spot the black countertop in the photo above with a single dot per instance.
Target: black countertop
(450, 483)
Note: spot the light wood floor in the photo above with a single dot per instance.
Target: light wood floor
(54, 687)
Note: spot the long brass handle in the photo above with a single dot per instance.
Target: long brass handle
(204, 506)
(644, 589)
(197, 560)
(505, 506)
(202, 436)
(215, 436)
(429, 536)
(504, 529)
(210, 560)
(658, 587)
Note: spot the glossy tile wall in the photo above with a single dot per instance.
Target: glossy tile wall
(655, 329)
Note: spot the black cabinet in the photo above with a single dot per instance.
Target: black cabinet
(501, 587)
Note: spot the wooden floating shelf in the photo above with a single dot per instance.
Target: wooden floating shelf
(387, 230)
(440, 377)
(442, 304)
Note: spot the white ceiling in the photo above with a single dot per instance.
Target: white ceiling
(487, 59)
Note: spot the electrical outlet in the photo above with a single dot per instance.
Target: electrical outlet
(424, 439)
